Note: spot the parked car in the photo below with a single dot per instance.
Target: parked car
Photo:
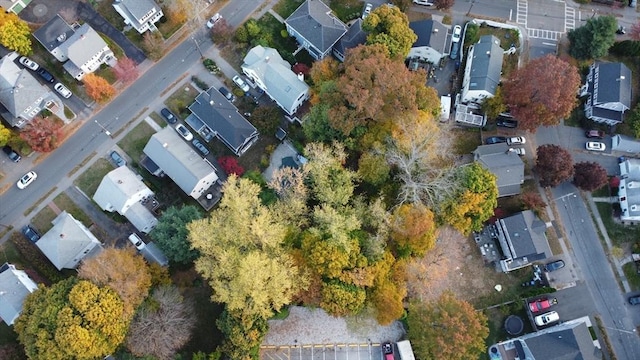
(423, 2)
(184, 132)
(28, 63)
(136, 241)
(596, 146)
(597, 134)
(516, 140)
(241, 84)
(168, 115)
(226, 93)
(117, 159)
(547, 318)
(634, 300)
(214, 19)
(457, 33)
(62, 90)
(542, 304)
(200, 146)
(12, 154)
(27, 179)
(495, 140)
(506, 122)
(387, 351)
(554, 265)
(30, 233)
(367, 10)
(46, 75)
(455, 47)
(621, 30)
(520, 151)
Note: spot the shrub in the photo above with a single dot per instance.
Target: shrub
(230, 165)
(35, 258)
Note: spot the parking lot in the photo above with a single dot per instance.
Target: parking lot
(322, 352)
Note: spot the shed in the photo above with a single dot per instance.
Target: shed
(405, 351)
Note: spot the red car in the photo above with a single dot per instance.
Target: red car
(542, 304)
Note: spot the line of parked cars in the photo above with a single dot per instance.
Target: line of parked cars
(46, 76)
(183, 131)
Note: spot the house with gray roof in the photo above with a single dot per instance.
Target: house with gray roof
(266, 68)
(142, 15)
(431, 44)
(483, 70)
(568, 340)
(315, 28)
(53, 34)
(68, 242)
(15, 285)
(625, 144)
(609, 92)
(505, 164)
(222, 118)
(85, 51)
(123, 191)
(175, 158)
(14, 6)
(22, 96)
(522, 239)
(352, 38)
(629, 190)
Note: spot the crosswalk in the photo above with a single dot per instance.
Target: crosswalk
(544, 34)
(521, 13)
(569, 18)
(569, 22)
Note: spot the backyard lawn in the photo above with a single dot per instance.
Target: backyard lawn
(89, 181)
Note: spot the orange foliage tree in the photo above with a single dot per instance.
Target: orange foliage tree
(413, 229)
(98, 88)
(42, 134)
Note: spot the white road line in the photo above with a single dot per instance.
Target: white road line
(569, 18)
(521, 15)
(544, 34)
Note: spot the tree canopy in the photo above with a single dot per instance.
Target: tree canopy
(42, 134)
(413, 229)
(15, 33)
(98, 88)
(389, 26)
(593, 39)
(554, 165)
(170, 234)
(589, 176)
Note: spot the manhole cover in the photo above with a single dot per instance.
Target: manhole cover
(40, 10)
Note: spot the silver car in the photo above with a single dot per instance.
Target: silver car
(241, 84)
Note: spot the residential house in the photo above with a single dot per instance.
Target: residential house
(175, 158)
(609, 92)
(222, 118)
(53, 34)
(14, 6)
(629, 190)
(431, 45)
(123, 191)
(142, 15)
(483, 70)
(353, 37)
(315, 28)
(505, 164)
(271, 73)
(15, 285)
(522, 239)
(68, 242)
(621, 143)
(22, 95)
(568, 340)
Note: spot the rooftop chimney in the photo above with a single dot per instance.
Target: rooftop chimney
(165, 145)
(301, 76)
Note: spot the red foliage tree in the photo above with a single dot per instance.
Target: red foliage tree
(554, 165)
(42, 134)
(126, 70)
(589, 176)
(300, 68)
(230, 165)
(532, 201)
(542, 92)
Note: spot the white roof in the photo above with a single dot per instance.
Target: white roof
(15, 285)
(117, 187)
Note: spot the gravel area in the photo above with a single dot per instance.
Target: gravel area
(314, 326)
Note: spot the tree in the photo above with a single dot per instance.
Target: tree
(413, 229)
(170, 234)
(340, 299)
(5, 135)
(327, 69)
(389, 290)
(162, 325)
(446, 329)
(124, 271)
(331, 183)
(542, 92)
(389, 26)
(532, 200)
(222, 33)
(443, 4)
(266, 119)
(242, 334)
(126, 70)
(42, 134)
(373, 168)
(177, 11)
(153, 44)
(230, 165)
(554, 165)
(98, 88)
(494, 106)
(589, 176)
(15, 33)
(626, 48)
(593, 39)
(71, 320)
(633, 119)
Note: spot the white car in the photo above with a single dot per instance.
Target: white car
(27, 179)
(241, 84)
(28, 63)
(62, 90)
(367, 11)
(184, 132)
(596, 146)
(547, 318)
(457, 32)
(516, 140)
(136, 241)
(214, 19)
(423, 2)
(519, 151)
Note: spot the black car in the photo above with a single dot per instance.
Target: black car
(30, 233)
(506, 122)
(117, 159)
(200, 146)
(168, 115)
(495, 140)
(223, 90)
(46, 75)
(634, 300)
(553, 266)
(13, 155)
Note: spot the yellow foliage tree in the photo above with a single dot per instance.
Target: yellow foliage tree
(15, 33)
(413, 229)
(5, 134)
(98, 88)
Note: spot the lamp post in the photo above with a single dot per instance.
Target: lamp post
(107, 132)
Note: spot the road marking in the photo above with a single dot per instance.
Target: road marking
(550, 44)
(521, 14)
(569, 18)
(544, 34)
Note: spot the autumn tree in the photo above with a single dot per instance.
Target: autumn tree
(162, 325)
(71, 320)
(126, 70)
(554, 165)
(494, 106)
(122, 270)
(446, 329)
(15, 33)
(5, 135)
(589, 176)
(177, 11)
(340, 299)
(389, 289)
(403, 5)
(531, 200)
(98, 88)
(593, 39)
(266, 119)
(443, 4)
(542, 92)
(373, 168)
(222, 33)
(42, 134)
(413, 229)
(389, 26)
(153, 44)
(171, 234)
(327, 69)
(243, 334)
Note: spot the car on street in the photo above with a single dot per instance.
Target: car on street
(554, 265)
(12, 154)
(367, 10)
(387, 351)
(597, 134)
(30, 233)
(27, 179)
(62, 90)
(46, 75)
(542, 304)
(184, 132)
(495, 140)
(117, 159)
(457, 33)
(596, 146)
(227, 94)
(506, 122)
(634, 300)
(423, 2)
(136, 241)
(520, 151)
(214, 19)
(168, 115)
(28, 63)
(200, 146)
(241, 84)
(516, 140)
(547, 318)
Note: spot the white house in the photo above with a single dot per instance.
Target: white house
(142, 15)
(85, 51)
(483, 70)
(15, 285)
(609, 92)
(629, 190)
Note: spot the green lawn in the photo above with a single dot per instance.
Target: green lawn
(89, 181)
(136, 139)
(631, 273)
(619, 234)
(42, 220)
(180, 100)
(64, 202)
(285, 8)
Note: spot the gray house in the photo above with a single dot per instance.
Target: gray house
(15, 285)
(52, 34)
(522, 240)
(629, 190)
(431, 45)
(353, 37)
(609, 92)
(315, 28)
(483, 70)
(142, 15)
(505, 164)
(625, 144)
